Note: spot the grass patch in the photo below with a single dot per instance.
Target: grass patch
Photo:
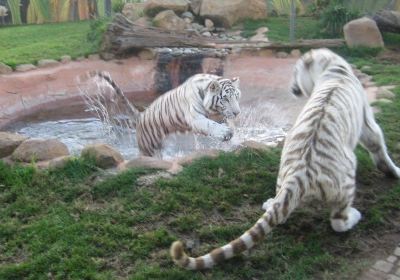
(30, 43)
(307, 28)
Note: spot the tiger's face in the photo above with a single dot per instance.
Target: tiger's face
(310, 67)
(222, 97)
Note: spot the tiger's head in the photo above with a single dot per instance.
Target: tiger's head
(309, 69)
(222, 97)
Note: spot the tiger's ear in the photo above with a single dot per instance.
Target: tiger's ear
(214, 87)
(235, 82)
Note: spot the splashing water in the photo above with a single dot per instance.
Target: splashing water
(114, 125)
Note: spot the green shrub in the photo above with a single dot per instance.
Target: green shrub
(97, 29)
(335, 16)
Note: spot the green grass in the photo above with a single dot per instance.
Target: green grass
(307, 28)
(30, 43)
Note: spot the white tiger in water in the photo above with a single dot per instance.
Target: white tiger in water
(186, 108)
(317, 160)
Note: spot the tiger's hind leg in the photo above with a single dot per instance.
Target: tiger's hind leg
(372, 139)
(343, 216)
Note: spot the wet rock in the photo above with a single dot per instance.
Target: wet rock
(25, 67)
(39, 150)
(133, 11)
(169, 20)
(5, 69)
(47, 63)
(363, 32)
(9, 142)
(65, 59)
(186, 160)
(153, 7)
(104, 155)
(227, 12)
(206, 34)
(282, 55)
(295, 53)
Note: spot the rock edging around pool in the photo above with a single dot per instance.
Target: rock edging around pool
(52, 153)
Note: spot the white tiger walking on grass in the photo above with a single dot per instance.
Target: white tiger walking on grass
(187, 108)
(318, 160)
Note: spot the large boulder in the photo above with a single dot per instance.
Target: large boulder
(153, 7)
(9, 142)
(104, 155)
(388, 21)
(363, 32)
(228, 12)
(169, 20)
(39, 150)
(133, 11)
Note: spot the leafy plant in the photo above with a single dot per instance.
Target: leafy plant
(15, 12)
(335, 16)
(97, 28)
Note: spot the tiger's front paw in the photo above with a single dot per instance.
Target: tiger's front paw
(226, 133)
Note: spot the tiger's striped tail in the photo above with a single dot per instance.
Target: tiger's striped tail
(134, 112)
(278, 211)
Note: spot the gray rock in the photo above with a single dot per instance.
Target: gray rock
(363, 32)
(383, 266)
(282, 55)
(25, 67)
(133, 11)
(39, 150)
(65, 59)
(94, 57)
(209, 24)
(153, 7)
(48, 63)
(104, 155)
(9, 142)
(188, 15)
(169, 20)
(5, 69)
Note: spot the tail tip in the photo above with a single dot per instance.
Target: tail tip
(177, 250)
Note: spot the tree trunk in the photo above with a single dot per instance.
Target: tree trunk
(123, 36)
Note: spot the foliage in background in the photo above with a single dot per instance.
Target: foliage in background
(97, 29)
(282, 7)
(335, 16)
(307, 28)
(13, 6)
